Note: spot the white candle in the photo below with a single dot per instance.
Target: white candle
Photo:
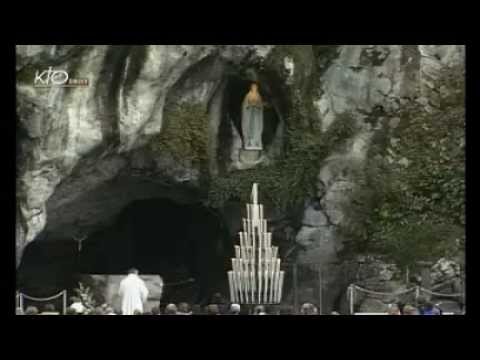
(253, 246)
(265, 293)
(230, 282)
(280, 286)
(237, 251)
(238, 274)
(261, 211)
(259, 285)
(275, 284)
(252, 282)
(274, 252)
(236, 286)
(272, 281)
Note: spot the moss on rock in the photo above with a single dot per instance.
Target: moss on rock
(184, 135)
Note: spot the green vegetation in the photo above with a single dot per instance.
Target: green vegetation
(185, 134)
(419, 181)
(293, 178)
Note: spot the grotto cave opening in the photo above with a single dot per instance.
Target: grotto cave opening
(183, 243)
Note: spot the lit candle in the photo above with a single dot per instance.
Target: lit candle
(253, 248)
(255, 193)
(259, 284)
(272, 281)
(236, 286)
(261, 211)
(230, 282)
(252, 282)
(248, 211)
(239, 279)
(280, 286)
(237, 251)
(265, 292)
(275, 252)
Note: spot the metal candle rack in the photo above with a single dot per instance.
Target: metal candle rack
(255, 277)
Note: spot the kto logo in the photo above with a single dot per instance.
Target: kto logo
(50, 77)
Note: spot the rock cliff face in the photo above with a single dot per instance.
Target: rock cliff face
(85, 153)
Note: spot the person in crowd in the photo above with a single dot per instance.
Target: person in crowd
(71, 311)
(171, 309)
(49, 309)
(213, 309)
(156, 310)
(109, 311)
(147, 313)
(184, 309)
(234, 309)
(19, 311)
(334, 313)
(77, 305)
(429, 309)
(133, 292)
(137, 312)
(409, 310)
(222, 304)
(98, 311)
(308, 309)
(393, 309)
(31, 310)
(259, 310)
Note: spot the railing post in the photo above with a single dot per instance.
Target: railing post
(64, 302)
(417, 294)
(320, 290)
(352, 302)
(295, 290)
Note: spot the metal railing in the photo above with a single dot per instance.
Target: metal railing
(21, 296)
(353, 288)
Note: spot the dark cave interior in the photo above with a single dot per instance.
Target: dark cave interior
(158, 236)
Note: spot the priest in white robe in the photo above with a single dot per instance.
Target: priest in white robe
(133, 293)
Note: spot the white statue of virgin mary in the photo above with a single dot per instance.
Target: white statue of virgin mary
(252, 119)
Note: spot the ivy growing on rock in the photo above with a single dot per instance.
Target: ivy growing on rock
(290, 180)
(420, 180)
(184, 136)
